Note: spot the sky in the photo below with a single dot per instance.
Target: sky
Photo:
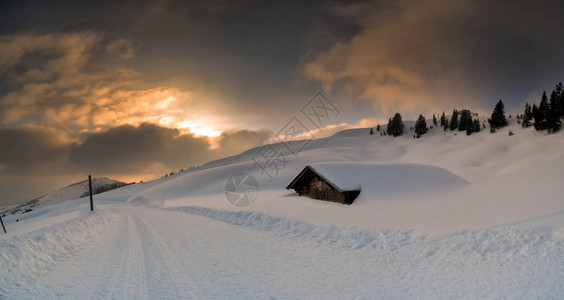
(132, 90)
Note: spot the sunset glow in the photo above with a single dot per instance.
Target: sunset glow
(198, 128)
(139, 84)
(242, 149)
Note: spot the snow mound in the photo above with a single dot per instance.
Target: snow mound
(387, 179)
(341, 237)
(24, 256)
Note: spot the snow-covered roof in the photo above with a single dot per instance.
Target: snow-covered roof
(342, 176)
(380, 178)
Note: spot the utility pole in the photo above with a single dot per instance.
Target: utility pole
(2, 224)
(90, 189)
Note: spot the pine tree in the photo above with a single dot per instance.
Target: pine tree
(560, 94)
(389, 127)
(540, 116)
(396, 127)
(465, 119)
(377, 127)
(443, 120)
(421, 126)
(476, 125)
(527, 116)
(435, 120)
(454, 120)
(535, 112)
(469, 124)
(554, 113)
(497, 120)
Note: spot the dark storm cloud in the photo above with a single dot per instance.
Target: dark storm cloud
(424, 56)
(125, 149)
(133, 149)
(27, 149)
(236, 141)
(35, 160)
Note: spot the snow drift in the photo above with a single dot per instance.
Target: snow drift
(388, 180)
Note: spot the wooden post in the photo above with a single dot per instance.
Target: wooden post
(2, 224)
(90, 189)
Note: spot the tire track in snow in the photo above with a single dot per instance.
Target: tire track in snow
(231, 259)
(167, 263)
(139, 264)
(128, 278)
(111, 267)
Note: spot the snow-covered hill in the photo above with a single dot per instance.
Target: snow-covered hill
(444, 216)
(74, 191)
(510, 179)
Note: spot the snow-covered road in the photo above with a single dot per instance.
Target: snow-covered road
(125, 251)
(153, 253)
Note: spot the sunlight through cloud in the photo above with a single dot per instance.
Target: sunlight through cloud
(198, 128)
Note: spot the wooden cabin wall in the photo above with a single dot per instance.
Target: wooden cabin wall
(320, 190)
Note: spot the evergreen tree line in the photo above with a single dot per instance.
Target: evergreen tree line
(461, 120)
(396, 127)
(547, 116)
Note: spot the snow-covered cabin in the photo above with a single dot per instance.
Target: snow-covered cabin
(321, 181)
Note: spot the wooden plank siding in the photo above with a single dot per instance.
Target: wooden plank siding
(313, 185)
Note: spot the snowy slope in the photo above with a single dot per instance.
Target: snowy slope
(510, 179)
(70, 192)
(445, 216)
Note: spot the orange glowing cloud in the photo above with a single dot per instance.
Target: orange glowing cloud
(75, 106)
(67, 88)
(400, 60)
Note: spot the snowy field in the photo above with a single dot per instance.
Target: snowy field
(442, 217)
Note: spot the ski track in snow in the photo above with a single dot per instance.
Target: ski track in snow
(137, 252)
